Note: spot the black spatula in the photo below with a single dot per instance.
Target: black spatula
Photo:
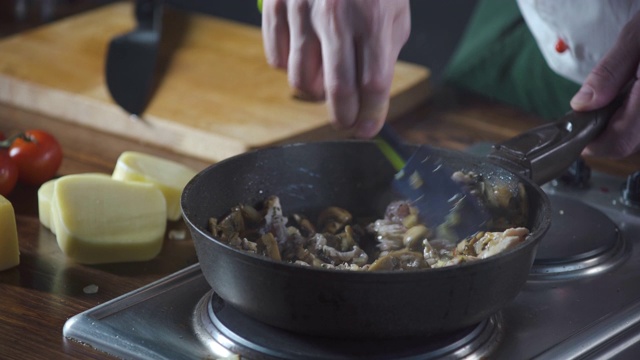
(426, 181)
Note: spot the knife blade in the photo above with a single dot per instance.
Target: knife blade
(424, 179)
(132, 57)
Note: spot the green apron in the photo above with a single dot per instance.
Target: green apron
(499, 58)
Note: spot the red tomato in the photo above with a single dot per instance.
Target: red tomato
(38, 158)
(8, 173)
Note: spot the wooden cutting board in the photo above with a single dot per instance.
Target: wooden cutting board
(217, 96)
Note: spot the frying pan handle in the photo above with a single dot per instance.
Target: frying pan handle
(545, 152)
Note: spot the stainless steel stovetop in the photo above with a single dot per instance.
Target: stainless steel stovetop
(582, 301)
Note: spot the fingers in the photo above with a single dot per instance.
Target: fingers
(377, 60)
(305, 58)
(620, 138)
(619, 67)
(339, 66)
(342, 51)
(359, 58)
(341, 93)
(613, 72)
(275, 32)
(376, 66)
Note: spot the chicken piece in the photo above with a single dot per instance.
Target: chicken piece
(319, 248)
(356, 256)
(390, 235)
(486, 244)
(275, 222)
(399, 260)
(397, 211)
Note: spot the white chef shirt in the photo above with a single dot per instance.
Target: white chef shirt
(588, 27)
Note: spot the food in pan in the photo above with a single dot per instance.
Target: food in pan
(503, 197)
(397, 241)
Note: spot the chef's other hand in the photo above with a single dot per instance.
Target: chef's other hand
(341, 51)
(620, 66)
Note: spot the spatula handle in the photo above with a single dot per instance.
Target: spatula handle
(391, 146)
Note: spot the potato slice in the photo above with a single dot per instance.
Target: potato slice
(45, 193)
(45, 197)
(169, 176)
(9, 248)
(101, 220)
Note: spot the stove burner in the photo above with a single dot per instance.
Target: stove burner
(581, 241)
(220, 325)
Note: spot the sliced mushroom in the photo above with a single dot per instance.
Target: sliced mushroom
(413, 238)
(306, 227)
(268, 246)
(333, 219)
(230, 225)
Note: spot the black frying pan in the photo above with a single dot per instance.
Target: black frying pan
(356, 176)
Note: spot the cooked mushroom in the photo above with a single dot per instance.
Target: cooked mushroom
(268, 246)
(414, 236)
(333, 219)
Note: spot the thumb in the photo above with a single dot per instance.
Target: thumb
(613, 71)
(599, 88)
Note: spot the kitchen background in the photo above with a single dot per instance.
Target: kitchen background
(436, 25)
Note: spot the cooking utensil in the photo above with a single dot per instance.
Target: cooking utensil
(131, 58)
(424, 179)
(356, 176)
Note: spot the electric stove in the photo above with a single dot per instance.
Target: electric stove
(581, 301)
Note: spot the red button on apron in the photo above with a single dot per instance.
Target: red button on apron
(561, 46)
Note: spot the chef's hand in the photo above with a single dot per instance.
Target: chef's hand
(341, 51)
(620, 66)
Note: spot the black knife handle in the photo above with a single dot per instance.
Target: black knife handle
(146, 12)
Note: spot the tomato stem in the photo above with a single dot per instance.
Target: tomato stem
(6, 143)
